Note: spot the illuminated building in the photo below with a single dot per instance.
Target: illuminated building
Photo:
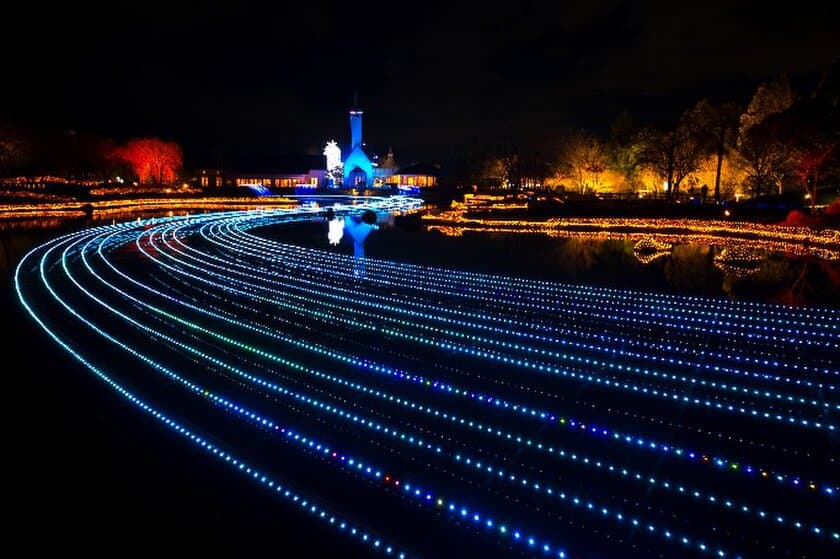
(296, 172)
(210, 178)
(360, 171)
(415, 177)
(335, 168)
(358, 168)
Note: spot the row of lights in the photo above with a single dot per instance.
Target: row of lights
(192, 264)
(418, 442)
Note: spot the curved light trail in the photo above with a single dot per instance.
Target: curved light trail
(431, 412)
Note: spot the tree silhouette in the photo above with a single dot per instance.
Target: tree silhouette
(813, 136)
(718, 126)
(767, 155)
(12, 147)
(675, 154)
(769, 98)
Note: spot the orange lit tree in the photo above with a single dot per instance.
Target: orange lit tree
(153, 160)
(583, 160)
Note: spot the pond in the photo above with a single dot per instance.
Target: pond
(690, 267)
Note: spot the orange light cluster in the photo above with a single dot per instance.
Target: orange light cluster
(649, 248)
(829, 238)
(739, 260)
(781, 246)
(9, 211)
(139, 190)
(36, 195)
(47, 179)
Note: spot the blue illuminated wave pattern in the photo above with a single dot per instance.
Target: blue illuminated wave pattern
(423, 411)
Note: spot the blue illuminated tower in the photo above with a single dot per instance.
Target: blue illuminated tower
(355, 124)
(358, 170)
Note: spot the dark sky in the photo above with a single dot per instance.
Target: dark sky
(224, 77)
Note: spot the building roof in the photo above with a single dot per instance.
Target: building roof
(419, 169)
(274, 164)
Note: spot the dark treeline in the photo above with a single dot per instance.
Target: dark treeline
(46, 151)
(29, 152)
(781, 140)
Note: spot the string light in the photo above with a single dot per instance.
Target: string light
(212, 288)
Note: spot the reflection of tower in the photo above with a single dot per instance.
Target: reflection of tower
(359, 228)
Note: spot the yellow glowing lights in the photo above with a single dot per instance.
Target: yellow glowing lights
(652, 235)
(70, 209)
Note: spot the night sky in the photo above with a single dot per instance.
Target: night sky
(224, 78)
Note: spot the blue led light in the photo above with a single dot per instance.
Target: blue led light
(255, 314)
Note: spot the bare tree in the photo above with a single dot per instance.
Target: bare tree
(767, 156)
(718, 126)
(675, 154)
(813, 138)
(808, 165)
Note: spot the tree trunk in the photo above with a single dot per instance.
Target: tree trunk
(670, 193)
(717, 172)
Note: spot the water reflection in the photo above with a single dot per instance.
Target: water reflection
(691, 267)
(18, 236)
(648, 248)
(701, 264)
(756, 269)
(357, 227)
(765, 263)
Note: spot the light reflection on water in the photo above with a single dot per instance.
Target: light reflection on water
(699, 266)
(688, 265)
(18, 236)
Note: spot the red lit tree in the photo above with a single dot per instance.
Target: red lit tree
(809, 162)
(814, 134)
(152, 159)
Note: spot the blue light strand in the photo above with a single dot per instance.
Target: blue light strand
(631, 440)
(238, 465)
(642, 478)
(164, 228)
